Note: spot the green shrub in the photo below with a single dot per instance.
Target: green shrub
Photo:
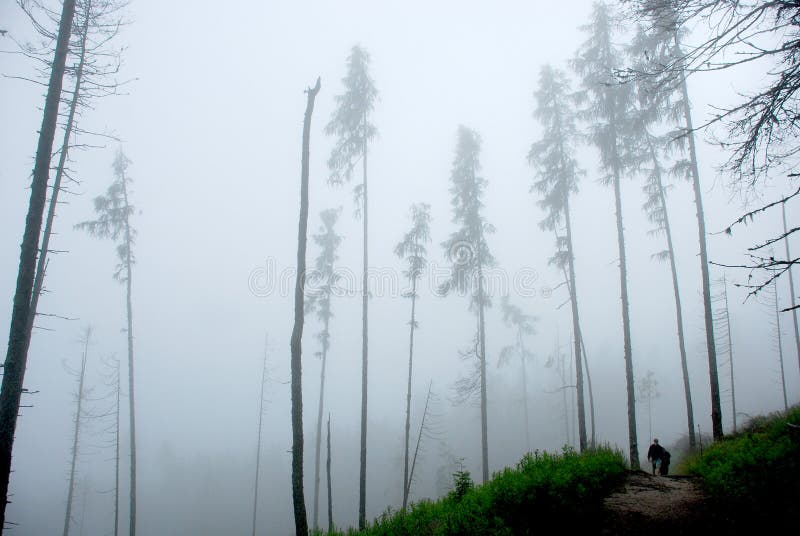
(567, 488)
(757, 469)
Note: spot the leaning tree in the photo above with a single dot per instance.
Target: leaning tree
(19, 331)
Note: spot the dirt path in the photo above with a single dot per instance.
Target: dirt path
(656, 505)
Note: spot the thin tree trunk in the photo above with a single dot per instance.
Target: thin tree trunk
(258, 442)
(576, 329)
(41, 265)
(676, 292)
(19, 331)
(791, 285)
(406, 483)
(328, 472)
(419, 438)
(626, 323)
(300, 520)
(585, 366)
(319, 423)
(116, 458)
(522, 355)
(132, 404)
(716, 408)
(482, 340)
(623, 282)
(780, 344)
(572, 402)
(564, 387)
(730, 351)
(362, 478)
(76, 433)
(591, 392)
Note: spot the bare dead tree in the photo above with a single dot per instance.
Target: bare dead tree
(427, 429)
(77, 429)
(722, 325)
(258, 442)
(759, 262)
(647, 388)
(19, 332)
(775, 309)
(792, 298)
(96, 24)
(300, 519)
(761, 129)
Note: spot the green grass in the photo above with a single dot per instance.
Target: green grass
(567, 488)
(757, 470)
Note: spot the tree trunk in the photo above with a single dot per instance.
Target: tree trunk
(319, 424)
(591, 392)
(129, 310)
(730, 352)
(362, 478)
(300, 521)
(576, 330)
(116, 459)
(41, 265)
(522, 354)
(76, 434)
(626, 323)
(328, 472)
(564, 387)
(406, 483)
(585, 366)
(419, 437)
(791, 285)
(482, 340)
(19, 336)
(258, 442)
(780, 344)
(716, 410)
(676, 292)
(42, 262)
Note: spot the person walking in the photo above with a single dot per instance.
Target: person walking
(655, 454)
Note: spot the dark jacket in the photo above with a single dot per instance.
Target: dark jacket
(656, 452)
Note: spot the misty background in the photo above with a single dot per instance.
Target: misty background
(211, 120)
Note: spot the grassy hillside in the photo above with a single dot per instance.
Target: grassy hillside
(754, 474)
(566, 489)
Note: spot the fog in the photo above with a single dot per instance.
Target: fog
(211, 120)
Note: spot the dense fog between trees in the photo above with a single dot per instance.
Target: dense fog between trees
(209, 115)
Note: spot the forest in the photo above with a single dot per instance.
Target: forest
(273, 269)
